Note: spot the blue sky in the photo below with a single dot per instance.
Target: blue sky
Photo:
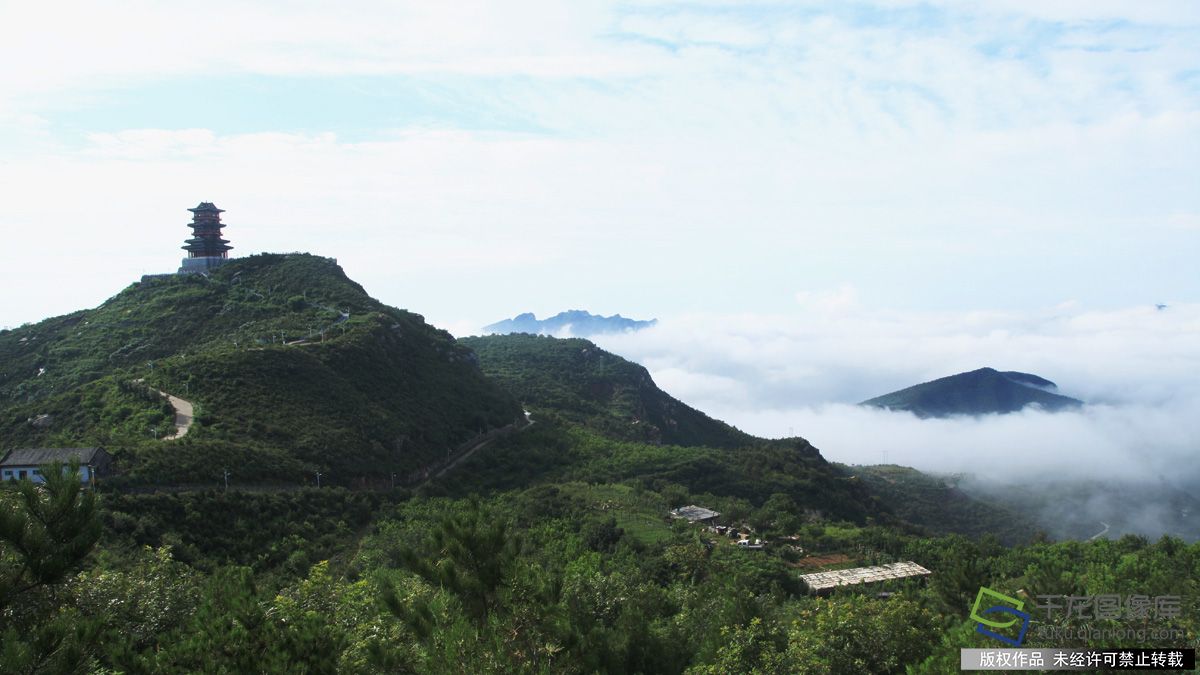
(474, 160)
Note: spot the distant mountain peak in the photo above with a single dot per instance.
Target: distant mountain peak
(580, 323)
(978, 392)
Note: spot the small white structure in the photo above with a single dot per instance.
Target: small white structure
(824, 582)
(695, 514)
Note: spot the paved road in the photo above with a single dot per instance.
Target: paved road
(472, 450)
(183, 412)
(183, 416)
(1101, 533)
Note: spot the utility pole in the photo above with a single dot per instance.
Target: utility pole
(226, 472)
(319, 474)
(393, 480)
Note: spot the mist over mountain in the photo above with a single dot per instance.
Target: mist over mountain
(984, 391)
(576, 322)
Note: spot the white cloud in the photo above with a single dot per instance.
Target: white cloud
(90, 46)
(1129, 442)
(767, 150)
(775, 375)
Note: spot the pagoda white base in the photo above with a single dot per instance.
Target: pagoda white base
(201, 265)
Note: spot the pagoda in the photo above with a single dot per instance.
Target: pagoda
(206, 249)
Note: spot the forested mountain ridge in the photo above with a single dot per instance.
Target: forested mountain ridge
(292, 368)
(598, 389)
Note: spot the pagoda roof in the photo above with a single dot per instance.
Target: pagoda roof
(193, 245)
(207, 206)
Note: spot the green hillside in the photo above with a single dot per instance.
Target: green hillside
(600, 419)
(603, 420)
(550, 550)
(590, 386)
(979, 392)
(940, 507)
(292, 368)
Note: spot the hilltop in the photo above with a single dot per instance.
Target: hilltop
(587, 385)
(580, 323)
(978, 392)
(292, 368)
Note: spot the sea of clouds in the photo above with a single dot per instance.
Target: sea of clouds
(802, 374)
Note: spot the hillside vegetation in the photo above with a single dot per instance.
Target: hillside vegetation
(548, 551)
(592, 387)
(292, 368)
(939, 507)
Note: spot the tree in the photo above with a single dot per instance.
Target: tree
(754, 648)
(470, 554)
(852, 634)
(138, 601)
(46, 530)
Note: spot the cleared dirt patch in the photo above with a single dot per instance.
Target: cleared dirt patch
(815, 561)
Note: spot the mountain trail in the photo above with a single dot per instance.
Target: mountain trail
(184, 413)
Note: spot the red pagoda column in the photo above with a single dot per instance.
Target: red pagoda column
(206, 249)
